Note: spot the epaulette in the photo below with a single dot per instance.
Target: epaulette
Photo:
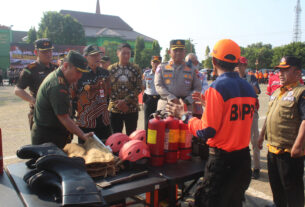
(31, 65)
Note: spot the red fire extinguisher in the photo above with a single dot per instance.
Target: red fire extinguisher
(155, 140)
(185, 142)
(171, 139)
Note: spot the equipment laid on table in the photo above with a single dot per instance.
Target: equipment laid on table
(185, 142)
(116, 141)
(171, 139)
(155, 140)
(139, 134)
(60, 176)
(133, 176)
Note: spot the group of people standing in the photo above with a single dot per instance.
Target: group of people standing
(103, 99)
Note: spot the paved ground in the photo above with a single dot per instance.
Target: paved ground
(16, 133)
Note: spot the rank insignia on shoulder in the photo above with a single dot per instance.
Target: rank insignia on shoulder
(32, 65)
(63, 91)
(61, 80)
(168, 67)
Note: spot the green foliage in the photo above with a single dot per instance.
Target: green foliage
(32, 35)
(63, 30)
(260, 53)
(207, 52)
(139, 47)
(166, 56)
(110, 50)
(156, 48)
(296, 49)
(190, 47)
(208, 63)
(146, 58)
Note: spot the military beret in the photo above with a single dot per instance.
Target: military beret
(79, 61)
(105, 59)
(91, 50)
(177, 44)
(156, 58)
(43, 44)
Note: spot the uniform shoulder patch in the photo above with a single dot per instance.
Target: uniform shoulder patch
(61, 80)
(32, 65)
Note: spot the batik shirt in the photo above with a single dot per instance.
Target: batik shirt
(92, 91)
(126, 84)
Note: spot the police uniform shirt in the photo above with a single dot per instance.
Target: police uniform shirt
(148, 79)
(176, 81)
(53, 98)
(91, 93)
(33, 75)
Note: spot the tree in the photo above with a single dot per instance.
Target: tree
(139, 47)
(146, 58)
(258, 53)
(207, 52)
(190, 47)
(156, 48)
(166, 56)
(110, 50)
(61, 29)
(32, 35)
(295, 49)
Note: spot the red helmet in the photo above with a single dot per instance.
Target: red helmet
(116, 141)
(138, 135)
(134, 150)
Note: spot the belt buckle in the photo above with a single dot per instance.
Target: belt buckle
(154, 96)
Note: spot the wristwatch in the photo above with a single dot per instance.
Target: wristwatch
(186, 117)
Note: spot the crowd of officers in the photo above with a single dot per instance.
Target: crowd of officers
(86, 94)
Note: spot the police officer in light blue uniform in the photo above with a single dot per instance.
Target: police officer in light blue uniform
(150, 97)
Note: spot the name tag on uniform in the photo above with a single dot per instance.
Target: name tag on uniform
(288, 98)
(187, 82)
(102, 93)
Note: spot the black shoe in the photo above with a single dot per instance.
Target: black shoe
(256, 174)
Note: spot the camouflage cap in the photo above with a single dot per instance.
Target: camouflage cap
(91, 50)
(105, 59)
(43, 44)
(79, 61)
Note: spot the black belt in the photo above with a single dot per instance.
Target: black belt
(153, 96)
(218, 151)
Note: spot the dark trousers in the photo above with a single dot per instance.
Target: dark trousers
(226, 178)
(42, 134)
(101, 130)
(286, 179)
(150, 106)
(118, 120)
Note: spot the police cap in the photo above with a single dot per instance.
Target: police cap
(43, 44)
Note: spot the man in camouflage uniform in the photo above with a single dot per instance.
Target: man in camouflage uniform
(175, 80)
(33, 75)
(126, 84)
(53, 109)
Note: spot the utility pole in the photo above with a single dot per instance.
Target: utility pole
(297, 23)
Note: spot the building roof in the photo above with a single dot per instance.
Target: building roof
(18, 35)
(98, 20)
(96, 25)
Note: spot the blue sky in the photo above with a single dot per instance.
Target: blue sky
(204, 21)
